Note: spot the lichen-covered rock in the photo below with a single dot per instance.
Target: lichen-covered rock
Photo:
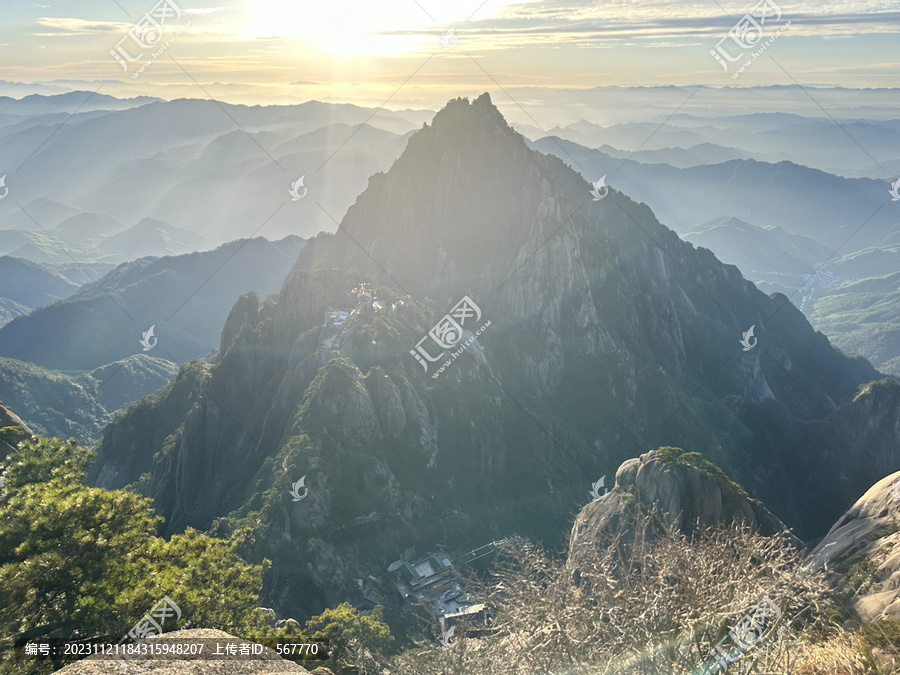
(686, 490)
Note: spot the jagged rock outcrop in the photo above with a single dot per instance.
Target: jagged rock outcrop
(9, 419)
(862, 551)
(608, 335)
(686, 491)
(267, 662)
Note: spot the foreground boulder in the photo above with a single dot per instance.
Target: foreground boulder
(686, 490)
(862, 553)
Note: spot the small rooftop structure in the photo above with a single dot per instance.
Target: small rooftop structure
(470, 612)
(431, 573)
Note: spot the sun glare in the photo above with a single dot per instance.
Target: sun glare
(384, 28)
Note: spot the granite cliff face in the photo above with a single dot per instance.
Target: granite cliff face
(608, 336)
(861, 550)
(605, 319)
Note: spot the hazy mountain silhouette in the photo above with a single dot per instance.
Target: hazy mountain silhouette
(774, 259)
(800, 200)
(30, 284)
(836, 146)
(186, 297)
(199, 165)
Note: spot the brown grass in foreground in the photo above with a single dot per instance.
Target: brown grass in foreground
(647, 600)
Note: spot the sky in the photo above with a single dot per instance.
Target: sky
(400, 53)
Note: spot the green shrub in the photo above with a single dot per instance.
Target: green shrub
(12, 435)
(882, 634)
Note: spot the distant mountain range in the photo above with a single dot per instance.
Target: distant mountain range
(852, 298)
(846, 147)
(854, 213)
(186, 297)
(214, 169)
(83, 101)
(608, 336)
(759, 251)
(221, 171)
(32, 285)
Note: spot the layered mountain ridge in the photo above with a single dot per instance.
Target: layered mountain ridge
(186, 297)
(608, 336)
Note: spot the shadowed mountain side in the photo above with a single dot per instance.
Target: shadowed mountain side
(608, 336)
(862, 553)
(575, 285)
(30, 284)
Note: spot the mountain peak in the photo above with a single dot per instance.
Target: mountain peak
(478, 114)
(467, 191)
(484, 104)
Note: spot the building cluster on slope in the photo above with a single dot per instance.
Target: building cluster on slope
(432, 581)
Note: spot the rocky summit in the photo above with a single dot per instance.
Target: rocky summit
(592, 334)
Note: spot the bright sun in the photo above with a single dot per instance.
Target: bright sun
(380, 28)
